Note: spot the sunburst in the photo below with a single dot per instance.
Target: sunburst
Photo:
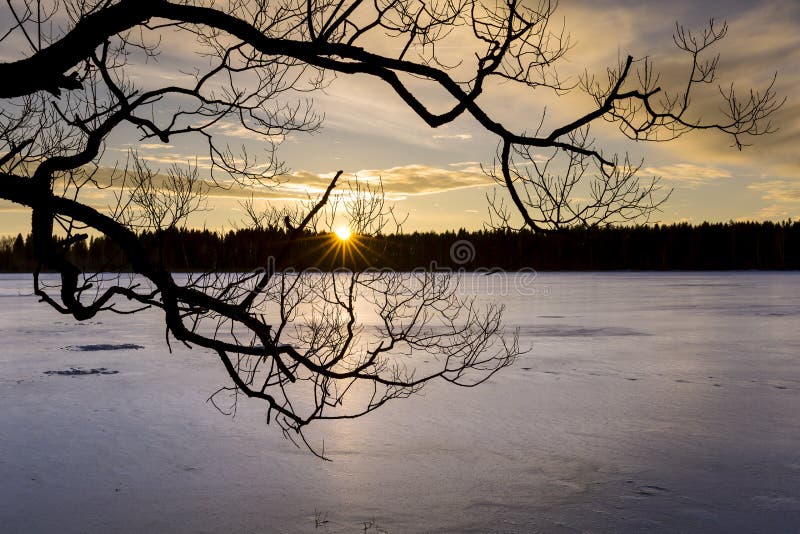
(343, 233)
(341, 247)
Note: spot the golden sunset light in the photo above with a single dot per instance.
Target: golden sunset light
(343, 233)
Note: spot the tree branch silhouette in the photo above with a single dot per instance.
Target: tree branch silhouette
(295, 340)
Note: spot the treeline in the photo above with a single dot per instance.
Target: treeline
(722, 246)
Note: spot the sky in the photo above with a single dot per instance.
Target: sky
(435, 176)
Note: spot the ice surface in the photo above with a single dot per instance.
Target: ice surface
(655, 402)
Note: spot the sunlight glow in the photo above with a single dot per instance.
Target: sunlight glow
(343, 233)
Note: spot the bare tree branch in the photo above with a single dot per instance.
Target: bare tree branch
(296, 341)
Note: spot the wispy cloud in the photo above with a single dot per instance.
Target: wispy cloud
(460, 137)
(8, 206)
(762, 40)
(687, 173)
(152, 146)
(423, 179)
(396, 182)
(778, 190)
(781, 196)
(235, 129)
(465, 164)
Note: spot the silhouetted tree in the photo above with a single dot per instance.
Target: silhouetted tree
(75, 78)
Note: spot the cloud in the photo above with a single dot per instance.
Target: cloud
(762, 40)
(166, 158)
(8, 206)
(396, 182)
(782, 198)
(236, 129)
(201, 162)
(365, 106)
(687, 173)
(151, 146)
(460, 137)
(778, 190)
(423, 179)
(465, 164)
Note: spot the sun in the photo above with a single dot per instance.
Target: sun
(343, 233)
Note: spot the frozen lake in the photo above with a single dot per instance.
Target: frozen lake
(650, 402)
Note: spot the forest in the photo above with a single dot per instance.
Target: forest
(708, 246)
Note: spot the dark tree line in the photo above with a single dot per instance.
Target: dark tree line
(718, 246)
